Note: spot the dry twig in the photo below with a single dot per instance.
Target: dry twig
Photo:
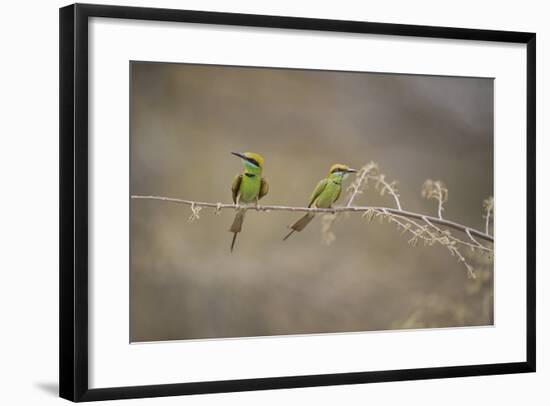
(489, 206)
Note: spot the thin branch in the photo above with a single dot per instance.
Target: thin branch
(440, 200)
(436, 190)
(488, 205)
(389, 187)
(455, 251)
(458, 240)
(355, 187)
(476, 242)
(359, 209)
(446, 239)
(452, 247)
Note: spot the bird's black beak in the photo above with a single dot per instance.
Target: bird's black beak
(239, 155)
(351, 170)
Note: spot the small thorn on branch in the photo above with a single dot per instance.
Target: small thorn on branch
(195, 210)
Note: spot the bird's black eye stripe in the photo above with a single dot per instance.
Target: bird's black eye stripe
(337, 169)
(253, 161)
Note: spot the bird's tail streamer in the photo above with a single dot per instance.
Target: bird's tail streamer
(236, 227)
(300, 224)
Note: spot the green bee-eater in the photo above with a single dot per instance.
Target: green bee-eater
(247, 188)
(327, 192)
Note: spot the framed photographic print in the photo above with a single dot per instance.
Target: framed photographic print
(257, 202)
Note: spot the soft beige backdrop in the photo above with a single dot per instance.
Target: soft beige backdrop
(185, 119)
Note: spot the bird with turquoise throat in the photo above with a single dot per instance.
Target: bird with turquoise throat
(326, 193)
(247, 188)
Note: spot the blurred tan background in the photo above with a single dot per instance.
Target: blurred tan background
(185, 120)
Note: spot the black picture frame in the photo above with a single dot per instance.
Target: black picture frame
(73, 253)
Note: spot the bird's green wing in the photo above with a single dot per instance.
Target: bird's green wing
(318, 190)
(338, 194)
(236, 186)
(264, 188)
